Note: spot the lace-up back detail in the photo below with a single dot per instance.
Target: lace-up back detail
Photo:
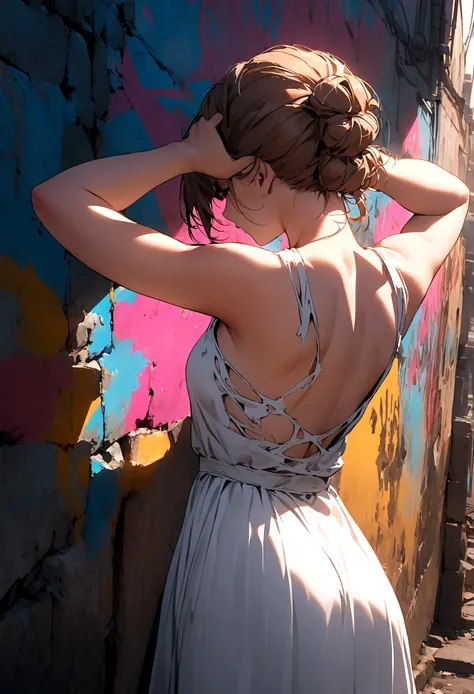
(230, 427)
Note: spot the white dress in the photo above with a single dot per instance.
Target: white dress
(272, 588)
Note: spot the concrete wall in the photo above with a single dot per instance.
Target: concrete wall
(94, 468)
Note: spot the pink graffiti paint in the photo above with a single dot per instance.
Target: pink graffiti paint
(165, 335)
(391, 220)
(27, 380)
(147, 14)
(411, 143)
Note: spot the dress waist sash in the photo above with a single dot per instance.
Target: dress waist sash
(298, 484)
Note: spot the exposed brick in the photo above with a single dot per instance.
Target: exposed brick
(450, 602)
(456, 495)
(461, 451)
(453, 546)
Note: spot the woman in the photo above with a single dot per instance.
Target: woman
(272, 586)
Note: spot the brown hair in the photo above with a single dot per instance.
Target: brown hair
(301, 111)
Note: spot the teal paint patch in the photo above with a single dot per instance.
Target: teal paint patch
(93, 431)
(96, 467)
(425, 141)
(267, 14)
(150, 75)
(124, 366)
(412, 404)
(358, 11)
(210, 26)
(102, 506)
(124, 295)
(125, 133)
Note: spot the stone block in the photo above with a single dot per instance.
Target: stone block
(456, 657)
(81, 586)
(114, 60)
(77, 10)
(456, 495)
(450, 601)
(460, 460)
(34, 42)
(453, 546)
(156, 512)
(87, 290)
(469, 577)
(75, 147)
(25, 645)
(435, 641)
(114, 31)
(33, 515)
(78, 78)
(100, 79)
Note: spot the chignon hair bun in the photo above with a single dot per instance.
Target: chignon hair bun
(303, 112)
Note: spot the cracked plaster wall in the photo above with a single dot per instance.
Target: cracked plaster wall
(95, 464)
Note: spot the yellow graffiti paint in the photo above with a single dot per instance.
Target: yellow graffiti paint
(363, 489)
(76, 404)
(149, 448)
(72, 479)
(42, 327)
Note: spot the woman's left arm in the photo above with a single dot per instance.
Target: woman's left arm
(82, 208)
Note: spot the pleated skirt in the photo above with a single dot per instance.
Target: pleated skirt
(271, 592)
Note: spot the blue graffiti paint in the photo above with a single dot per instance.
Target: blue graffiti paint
(124, 295)
(267, 14)
(171, 35)
(358, 11)
(150, 75)
(412, 402)
(32, 117)
(210, 27)
(424, 134)
(94, 429)
(124, 365)
(102, 503)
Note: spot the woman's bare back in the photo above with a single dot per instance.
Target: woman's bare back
(355, 307)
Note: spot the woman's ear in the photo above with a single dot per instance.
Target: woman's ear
(264, 177)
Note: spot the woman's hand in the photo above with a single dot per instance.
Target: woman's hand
(206, 152)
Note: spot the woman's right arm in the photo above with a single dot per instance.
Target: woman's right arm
(439, 202)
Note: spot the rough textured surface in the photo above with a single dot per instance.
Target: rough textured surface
(457, 657)
(87, 529)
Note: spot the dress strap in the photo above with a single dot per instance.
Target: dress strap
(299, 279)
(399, 287)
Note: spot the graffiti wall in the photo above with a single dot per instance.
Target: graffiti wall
(95, 464)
